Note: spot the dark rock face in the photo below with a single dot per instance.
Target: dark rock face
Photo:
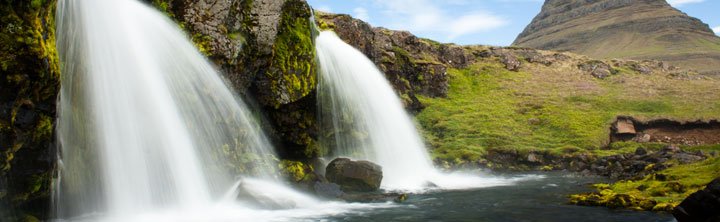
(641, 163)
(413, 65)
(265, 45)
(354, 176)
(623, 166)
(701, 206)
(266, 51)
(604, 29)
(29, 82)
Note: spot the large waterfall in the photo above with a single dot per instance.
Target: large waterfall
(145, 122)
(366, 120)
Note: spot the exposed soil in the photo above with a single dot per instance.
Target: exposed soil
(666, 131)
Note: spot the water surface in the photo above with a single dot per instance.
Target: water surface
(532, 200)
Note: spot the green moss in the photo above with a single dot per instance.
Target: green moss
(36, 4)
(293, 70)
(203, 43)
(44, 128)
(30, 218)
(295, 170)
(665, 189)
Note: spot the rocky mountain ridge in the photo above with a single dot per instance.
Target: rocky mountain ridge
(637, 29)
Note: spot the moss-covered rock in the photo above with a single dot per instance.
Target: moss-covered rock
(29, 83)
(265, 50)
(292, 71)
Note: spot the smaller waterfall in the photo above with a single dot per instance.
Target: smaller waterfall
(367, 116)
(366, 120)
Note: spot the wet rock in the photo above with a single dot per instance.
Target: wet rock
(534, 158)
(263, 201)
(642, 162)
(375, 197)
(672, 149)
(640, 151)
(703, 205)
(328, 190)
(685, 158)
(354, 176)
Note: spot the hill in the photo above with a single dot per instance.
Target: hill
(641, 29)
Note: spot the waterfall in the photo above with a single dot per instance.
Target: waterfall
(367, 116)
(365, 119)
(145, 122)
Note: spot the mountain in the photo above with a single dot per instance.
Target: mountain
(631, 29)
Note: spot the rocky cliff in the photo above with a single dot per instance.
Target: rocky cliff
(29, 82)
(414, 66)
(632, 29)
(265, 50)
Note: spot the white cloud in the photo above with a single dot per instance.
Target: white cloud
(473, 23)
(716, 30)
(361, 13)
(430, 17)
(678, 3)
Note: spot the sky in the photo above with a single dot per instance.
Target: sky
(486, 22)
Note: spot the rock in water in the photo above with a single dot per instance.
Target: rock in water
(603, 29)
(703, 206)
(354, 176)
(328, 190)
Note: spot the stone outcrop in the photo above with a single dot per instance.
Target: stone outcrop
(635, 165)
(703, 205)
(354, 176)
(265, 49)
(414, 66)
(633, 29)
(29, 82)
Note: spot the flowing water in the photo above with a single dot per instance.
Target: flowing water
(148, 131)
(366, 120)
(146, 125)
(539, 200)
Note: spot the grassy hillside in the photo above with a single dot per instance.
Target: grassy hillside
(554, 108)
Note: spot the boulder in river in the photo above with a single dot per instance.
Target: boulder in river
(354, 176)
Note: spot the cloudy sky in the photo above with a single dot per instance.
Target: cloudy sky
(489, 22)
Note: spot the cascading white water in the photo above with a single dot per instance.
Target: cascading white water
(368, 116)
(367, 121)
(145, 122)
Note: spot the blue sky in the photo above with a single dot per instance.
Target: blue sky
(487, 22)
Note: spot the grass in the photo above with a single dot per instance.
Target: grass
(554, 109)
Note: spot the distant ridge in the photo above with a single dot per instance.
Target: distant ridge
(631, 29)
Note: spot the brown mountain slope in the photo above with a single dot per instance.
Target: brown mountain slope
(633, 29)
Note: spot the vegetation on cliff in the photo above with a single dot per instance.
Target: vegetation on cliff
(28, 88)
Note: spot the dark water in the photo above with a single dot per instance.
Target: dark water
(533, 200)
